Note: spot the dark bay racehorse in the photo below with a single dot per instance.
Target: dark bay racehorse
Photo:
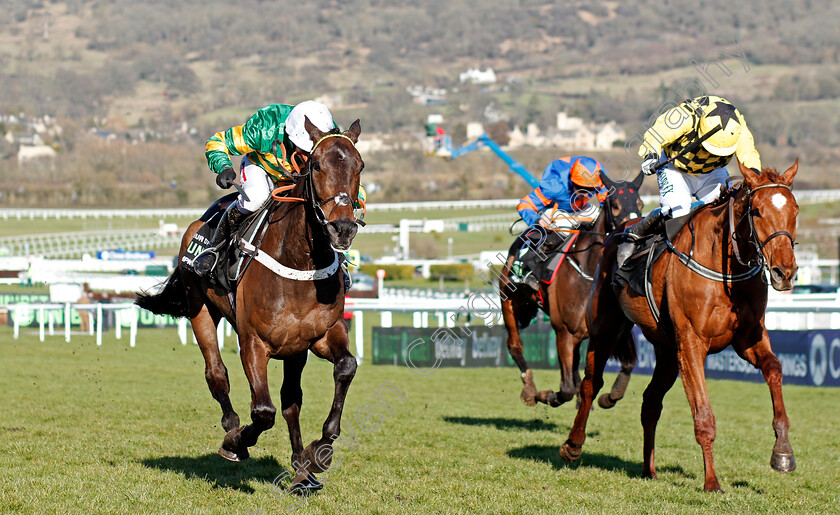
(281, 317)
(565, 301)
(710, 292)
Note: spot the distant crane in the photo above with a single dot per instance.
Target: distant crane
(484, 140)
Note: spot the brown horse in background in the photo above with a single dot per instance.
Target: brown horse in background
(281, 317)
(711, 292)
(565, 301)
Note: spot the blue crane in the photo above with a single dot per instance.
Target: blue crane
(484, 140)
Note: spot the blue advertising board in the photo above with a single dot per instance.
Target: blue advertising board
(810, 358)
(126, 255)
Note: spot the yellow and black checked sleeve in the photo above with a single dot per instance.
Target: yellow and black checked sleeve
(746, 152)
(668, 128)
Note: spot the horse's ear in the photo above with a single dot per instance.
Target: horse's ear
(637, 182)
(607, 181)
(314, 132)
(787, 177)
(354, 131)
(751, 178)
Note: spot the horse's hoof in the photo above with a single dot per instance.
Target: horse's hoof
(529, 391)
(606, 402)
(570, 452)
(235, 456)
(307, 486)
(783, 462)
(318, 460)
(528, 397)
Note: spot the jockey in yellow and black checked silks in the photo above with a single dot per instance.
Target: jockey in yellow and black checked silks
(682, 125)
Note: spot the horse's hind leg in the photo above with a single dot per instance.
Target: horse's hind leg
(514, 345)
(334, 346)
(255, 363)
(627, 356)
(692, 356)
(204, 326)
(761, 356)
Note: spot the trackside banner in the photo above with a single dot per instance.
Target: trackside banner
(809, 358)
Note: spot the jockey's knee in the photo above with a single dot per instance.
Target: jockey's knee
(255, 200)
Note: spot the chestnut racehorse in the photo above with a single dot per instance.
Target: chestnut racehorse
(565, 301)
(288, 303)
(710, 292)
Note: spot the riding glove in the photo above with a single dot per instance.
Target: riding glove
(225, 178)
(649, 164)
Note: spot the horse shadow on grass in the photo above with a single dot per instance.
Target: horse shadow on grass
(550, 455)
(221, 473)
(505, 424)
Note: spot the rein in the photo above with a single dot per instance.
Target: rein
(310, 195)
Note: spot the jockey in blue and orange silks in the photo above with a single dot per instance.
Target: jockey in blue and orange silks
(560, 203)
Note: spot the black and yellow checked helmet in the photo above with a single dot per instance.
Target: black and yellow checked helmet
(720, 113)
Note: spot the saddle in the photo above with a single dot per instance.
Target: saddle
(553, 248)
(635, 271)
(232, 261)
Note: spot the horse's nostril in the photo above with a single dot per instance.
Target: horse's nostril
(777, 273)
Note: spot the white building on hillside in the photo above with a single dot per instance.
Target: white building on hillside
(476, 76)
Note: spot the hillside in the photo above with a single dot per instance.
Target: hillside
(164, 76)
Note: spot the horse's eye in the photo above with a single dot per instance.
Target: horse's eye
(755, 212)
(316, 166)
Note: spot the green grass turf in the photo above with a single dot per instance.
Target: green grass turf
(121, 430)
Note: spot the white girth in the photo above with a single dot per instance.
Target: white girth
(289, 273)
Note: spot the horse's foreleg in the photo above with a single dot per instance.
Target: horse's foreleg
(627, 356)
(565, 357)
(291, 400)
(692, 357)
(593, 379)
(664, 375)
(761, 356)
(255, 363)
(204, 326)
(514, 345)
(334, 347)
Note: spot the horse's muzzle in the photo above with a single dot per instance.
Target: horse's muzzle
(781, 278)
(341, 234)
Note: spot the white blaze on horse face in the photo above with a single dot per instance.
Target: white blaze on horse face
(779, 201)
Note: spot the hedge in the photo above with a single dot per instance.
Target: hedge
(391, 271)
(458, 271)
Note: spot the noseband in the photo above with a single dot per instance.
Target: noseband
(759, 245)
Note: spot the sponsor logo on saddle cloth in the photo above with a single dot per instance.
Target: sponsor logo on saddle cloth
(200, 241)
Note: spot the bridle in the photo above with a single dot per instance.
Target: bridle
(750, 213)
(340, 199)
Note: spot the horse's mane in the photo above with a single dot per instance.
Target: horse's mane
(737, 186)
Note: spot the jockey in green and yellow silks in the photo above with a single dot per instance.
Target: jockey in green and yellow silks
(269, 140)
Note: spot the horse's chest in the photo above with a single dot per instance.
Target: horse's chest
(303, 326)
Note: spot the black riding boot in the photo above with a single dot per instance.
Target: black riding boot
(206, 260)
(652, 224)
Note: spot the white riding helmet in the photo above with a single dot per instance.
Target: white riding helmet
(317, 113)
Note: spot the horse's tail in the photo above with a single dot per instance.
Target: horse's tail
(625, 351)
(170, 300)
